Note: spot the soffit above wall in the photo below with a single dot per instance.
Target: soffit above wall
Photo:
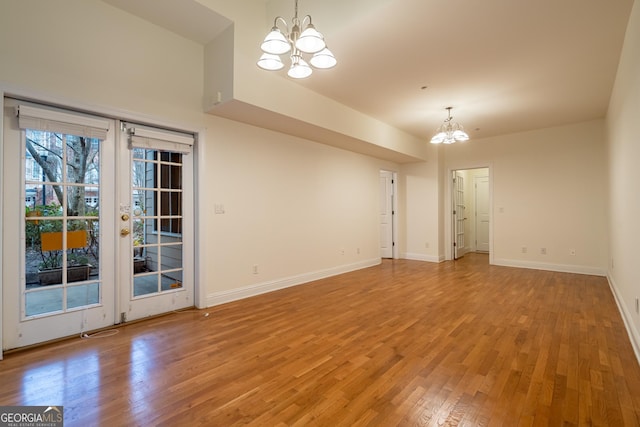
(187, 18)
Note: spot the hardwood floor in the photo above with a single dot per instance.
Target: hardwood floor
(404, 343)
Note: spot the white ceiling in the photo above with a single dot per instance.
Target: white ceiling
(503, 65)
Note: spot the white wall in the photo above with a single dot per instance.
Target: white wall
(623, 128)
(296, 209)
(420, 209)
(549, 188)
(91, 53)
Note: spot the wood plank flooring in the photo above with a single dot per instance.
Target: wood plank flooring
(401, 344)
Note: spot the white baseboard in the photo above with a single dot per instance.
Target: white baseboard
(422, 257)
(634, 337)
(223, 297)
(562, 268)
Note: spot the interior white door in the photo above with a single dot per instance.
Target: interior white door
(58, 269)
(458, 215)
(156, 221)
(386, 214)
(482, 213)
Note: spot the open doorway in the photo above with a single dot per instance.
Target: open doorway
(470, 213)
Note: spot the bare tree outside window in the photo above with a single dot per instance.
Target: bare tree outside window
(64, 198)
(82, 165)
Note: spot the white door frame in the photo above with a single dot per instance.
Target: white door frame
(1, 210)
(100, 110)
(448, 208)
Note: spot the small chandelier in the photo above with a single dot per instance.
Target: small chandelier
(449, 132)
(309, 41)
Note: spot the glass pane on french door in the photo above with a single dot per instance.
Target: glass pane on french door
(62, 223)
(157, 250)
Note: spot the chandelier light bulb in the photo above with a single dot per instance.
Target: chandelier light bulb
(323, 59)
(275, 43)
(299, 68)
(460, 135)
(438, 138)
(270, 62)
(310, 41)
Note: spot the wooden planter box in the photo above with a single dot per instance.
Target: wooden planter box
(139, 265)
(74, 274)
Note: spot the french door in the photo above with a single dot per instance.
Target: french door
(97, 223)
(155, 221)
(58, 276)
(386, 214)
(459, 215)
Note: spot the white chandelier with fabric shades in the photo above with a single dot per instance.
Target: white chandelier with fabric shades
(298, 43)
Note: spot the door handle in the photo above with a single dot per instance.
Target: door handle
(124, 232)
